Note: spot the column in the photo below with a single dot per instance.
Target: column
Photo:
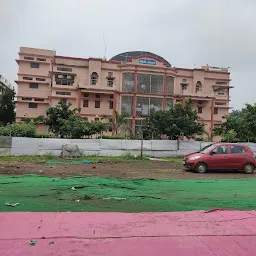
(134, 102)
(114, 109)
(165, 91)
(212, 117)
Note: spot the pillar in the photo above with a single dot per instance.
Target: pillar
(165, 91)
(134, 102)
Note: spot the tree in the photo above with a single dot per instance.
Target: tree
(55, 116)
(175, 122)
(65, 122)
(118, 121)
(7, 106)
(240, 123)
(35, 121)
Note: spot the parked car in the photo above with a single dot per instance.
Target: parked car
(221, 156)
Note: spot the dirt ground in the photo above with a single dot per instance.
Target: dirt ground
(150, 169)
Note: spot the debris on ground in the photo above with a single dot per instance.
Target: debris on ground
(70, 162)
(73, 188)
(157, 159)
(40, 170)
(77, 201)
(51, 242)
(32, 242)
(13, 205)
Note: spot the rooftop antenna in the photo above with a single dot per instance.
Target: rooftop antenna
(105, 46)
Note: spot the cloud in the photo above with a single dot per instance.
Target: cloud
(185, 32)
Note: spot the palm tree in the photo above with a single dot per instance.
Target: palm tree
(119, 120)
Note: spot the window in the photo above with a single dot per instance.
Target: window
(26, 98)
(97, 96)
(32, 105)
(33, 86)
(28, 58)
(86, 103)
(64, 69)
(200, 102)
(97, 119)
(111, 105)
(110, 82)
(27, 78)
(216, 111)
(63, 93)
(150, 83)
(220, 103)
(34, 65)
(198, 86)
(40, 59)
(110, 74)
(237, 149)
(128, 82)
(220, 93)
(86, 95)
(111, 97)
(94, 78)
(64, 79)
(184, 87)
(39, 99)
(221, 82)
(199, 110)
(40, 79)
(221, 150)
(97, 104)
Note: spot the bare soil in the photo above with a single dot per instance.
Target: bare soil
(145, 169)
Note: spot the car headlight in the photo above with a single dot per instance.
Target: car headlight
(194, 158)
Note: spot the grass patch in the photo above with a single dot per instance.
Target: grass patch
(173, 159)
(95, 159)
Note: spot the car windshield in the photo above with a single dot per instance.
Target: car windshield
(206, 149)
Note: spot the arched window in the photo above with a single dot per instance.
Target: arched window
(94, 78)
(198, 87)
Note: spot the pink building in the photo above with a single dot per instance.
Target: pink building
(131, 82)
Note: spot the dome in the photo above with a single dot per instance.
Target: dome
(126, 56)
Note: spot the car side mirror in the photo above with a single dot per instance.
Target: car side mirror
(212, 153)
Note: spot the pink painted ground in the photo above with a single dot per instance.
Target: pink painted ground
(228, 233)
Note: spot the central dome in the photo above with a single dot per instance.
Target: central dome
(126, 56)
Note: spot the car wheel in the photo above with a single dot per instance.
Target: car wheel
(201, 168)
(248, 168)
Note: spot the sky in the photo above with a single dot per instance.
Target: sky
(185, 32)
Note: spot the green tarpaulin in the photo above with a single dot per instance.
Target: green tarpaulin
(38, 193)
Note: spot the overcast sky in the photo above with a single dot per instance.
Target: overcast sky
(185, 32)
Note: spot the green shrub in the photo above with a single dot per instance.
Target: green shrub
(114, 137)
(18, 130)
(45, 135)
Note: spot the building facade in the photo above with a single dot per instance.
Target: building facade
(4, 83)
(131, 82)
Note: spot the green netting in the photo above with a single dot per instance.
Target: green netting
(37, 193)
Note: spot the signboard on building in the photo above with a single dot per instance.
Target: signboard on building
(147, 62)
(220, 69)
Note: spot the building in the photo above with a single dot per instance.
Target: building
(134, 82)
(4, 83)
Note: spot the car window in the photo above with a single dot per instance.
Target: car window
(221, 150)
(237, 149)
(206, 148)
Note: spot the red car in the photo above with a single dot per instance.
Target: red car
(221, 156)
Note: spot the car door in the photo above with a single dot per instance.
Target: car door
(238, 157)
(218, 158)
